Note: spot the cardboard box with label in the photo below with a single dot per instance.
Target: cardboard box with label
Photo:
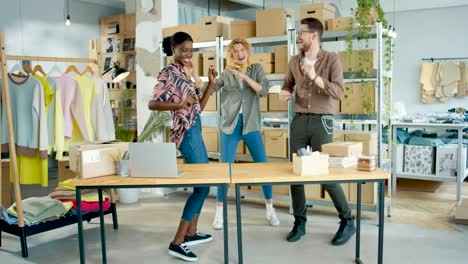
(276, 142)
(342, 149)
(320, 11)
(273, 22)
(360, 60)
(359, 98)
(64, 171)
(275, 104)
(95, 159)
(210, 137)
(210, 58)
(267, 60)
(368, 139)
(242, 29)
(315, 163)
(339, 24)
(281, 59)
(213, 26)
(192, 29)
(368, 193)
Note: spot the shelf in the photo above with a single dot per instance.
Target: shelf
(356, 116)
(329, 36)
(426, 177)
(432, 125)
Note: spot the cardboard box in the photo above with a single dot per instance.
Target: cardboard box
(342, 149)
(320, 11)
(368, 193)
(275, 104)
(368, 139)
(197, 62)
(281, 59)
(213, 26)
(6, 185)
(240, 148)
(461, 214)
(419, 159)
(242, 29)
(64, 171)
(212, 104)
(313, 164)
(273, 22)
(262, 58)
(210, 137)
(312, 191)
(339, 136)
(210, 58)
(192, 29)
(95, 159)
(281, 189)
(447, 160)
(361, 60)
(339, 24)
(359, 98)
(263, 104)
(326, 196)
(268, 67)
(276, 142)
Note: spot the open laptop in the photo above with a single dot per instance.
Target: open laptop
(153, 160)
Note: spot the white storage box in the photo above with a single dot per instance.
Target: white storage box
(419, 160)
(447, 160)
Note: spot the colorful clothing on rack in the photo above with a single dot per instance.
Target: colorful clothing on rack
(88, 90)
(101, 113)
(173, 86)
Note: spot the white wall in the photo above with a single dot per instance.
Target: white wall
(42, 30)
(424, 34)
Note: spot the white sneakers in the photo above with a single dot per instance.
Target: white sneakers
(270, 216)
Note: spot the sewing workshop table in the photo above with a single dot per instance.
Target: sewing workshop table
(195, 175)
(281, 173)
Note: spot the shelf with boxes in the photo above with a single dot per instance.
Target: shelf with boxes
(439, 163)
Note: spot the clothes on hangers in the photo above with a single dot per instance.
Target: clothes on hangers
(426, 82)
(101, 113)
(88, 90)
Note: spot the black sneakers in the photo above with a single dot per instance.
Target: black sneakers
(198, 238)
(181, 251)
(345, 232)
(298, 230)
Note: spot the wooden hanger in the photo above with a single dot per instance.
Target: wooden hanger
(87, 69)
(38, 68)
(27, 69)
(72, 68)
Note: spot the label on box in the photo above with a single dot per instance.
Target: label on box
(91, 156)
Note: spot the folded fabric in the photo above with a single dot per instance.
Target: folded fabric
(66, 184)
(90, 206)
(38, 209)
(86, 195)
(423, 141)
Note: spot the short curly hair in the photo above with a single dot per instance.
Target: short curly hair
(244, 42)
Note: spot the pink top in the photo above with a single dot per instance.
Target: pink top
(172, 87)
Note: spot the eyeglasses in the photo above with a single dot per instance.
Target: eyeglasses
(304, 31)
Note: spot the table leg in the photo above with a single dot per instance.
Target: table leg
(101, 222)
(358, 223)
(225, 224)
(460, 168)
(80, 225)
(239, 225)
(381, 220)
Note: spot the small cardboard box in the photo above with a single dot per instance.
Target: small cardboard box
(320, 11)
(263, 104)
(419, 159)
(360, 60)
(368, 193)
(315, 163)
(262, 58)
(281, 59)
(192, 29)
(342, 149)
(326, 196)
(368, 139)
(212, 104)
(210, 58)
(213, 26)
(275, 104)
(339, 24)
(64, 171)
(95, 159)
(272, 22)
(210, 137)
(461, 214)
(276, 142)
(359, 98)
(312, 191)
(242, 29)
(6, 185)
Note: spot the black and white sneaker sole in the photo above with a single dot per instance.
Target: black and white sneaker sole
(178, 255)
(196, 242)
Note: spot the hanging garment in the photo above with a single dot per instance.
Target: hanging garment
(88, 90)
(29, 118)
(426, 81)
(462, 83)
(449, 78)
(101, 113)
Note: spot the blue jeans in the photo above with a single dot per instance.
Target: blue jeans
(254, 143)
(194, 151)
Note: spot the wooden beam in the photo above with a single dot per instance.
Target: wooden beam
(52, 59)
(11, 135)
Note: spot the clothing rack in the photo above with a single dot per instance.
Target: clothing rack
(445, 59)
(21, 230)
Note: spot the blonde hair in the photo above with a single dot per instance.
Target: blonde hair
(243, 42)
